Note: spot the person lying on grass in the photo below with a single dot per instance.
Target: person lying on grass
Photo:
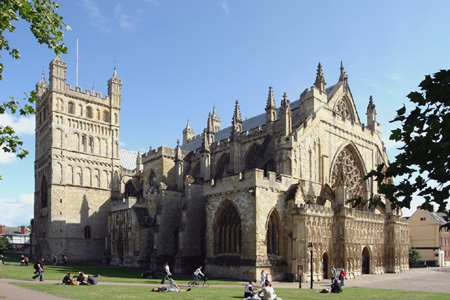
(173, 287)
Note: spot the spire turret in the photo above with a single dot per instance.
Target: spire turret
(371, 114)
(320, 80)
(285, 116)
(237, 121)
(215, 121)
(41, 86)
(58, 74)
(271, 110)
(188, 133)
(179, 166)
(115, 89)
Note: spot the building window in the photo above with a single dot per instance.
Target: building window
(44, 192)
(105, 116)
(87, 232)
(423, 219)
(227, 230)
(89, 112)
(273, 234)
(70, 108)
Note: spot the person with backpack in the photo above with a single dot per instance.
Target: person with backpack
(333, 273)
(39, 267)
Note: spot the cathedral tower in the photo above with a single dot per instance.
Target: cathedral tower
(76, 166)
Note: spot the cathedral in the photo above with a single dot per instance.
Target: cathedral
(265, 193)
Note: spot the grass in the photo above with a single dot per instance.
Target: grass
(139, 292)
(108, 274)
(125, 275)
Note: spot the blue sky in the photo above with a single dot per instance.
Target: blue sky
(178, 59)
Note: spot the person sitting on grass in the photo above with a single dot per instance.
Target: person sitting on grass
(148, 274)
(268, 292)
(67, 279)
(249, 291)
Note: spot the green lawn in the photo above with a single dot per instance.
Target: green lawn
(112, 274)
(139, 292)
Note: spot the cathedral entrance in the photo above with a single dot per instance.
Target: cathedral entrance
(325, 266)
(365, 261)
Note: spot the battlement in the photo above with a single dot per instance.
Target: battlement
(162, 151)
(87, 95)
(122, 204)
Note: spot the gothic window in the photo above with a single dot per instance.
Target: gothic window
(227, 230)
(116, 118)
(152, 178)
(70, 108)
(81, 110)
(251, 158)
(221, 165)
(273, 234)
(83, 143)
(91, 144)
(87, 232)
(44, 192)
(352, 172)
(98, 114)
(105, 116)
(89, 112)
(342, 109)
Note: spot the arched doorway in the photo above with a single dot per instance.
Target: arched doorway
(325, 265)
(365, 261)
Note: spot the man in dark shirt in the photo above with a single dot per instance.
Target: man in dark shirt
(67, 279)
(39, 266)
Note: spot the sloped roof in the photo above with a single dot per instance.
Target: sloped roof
(249, 124)
(439, 220)
(128, 159)
(15, 231)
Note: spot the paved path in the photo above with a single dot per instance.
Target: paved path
(427, 280)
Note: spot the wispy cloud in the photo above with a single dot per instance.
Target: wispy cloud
(125, 22)
(21, 125)
(96, 16)
(392, 76)
(225, 8)
(17, 211)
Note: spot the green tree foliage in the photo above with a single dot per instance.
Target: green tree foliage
(47, 27)
(423, 164)
(4, 244)
(414, 256)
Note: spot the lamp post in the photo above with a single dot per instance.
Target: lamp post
(311, 246)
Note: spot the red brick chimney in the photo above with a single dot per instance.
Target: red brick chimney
(1, 229)
(23, 230)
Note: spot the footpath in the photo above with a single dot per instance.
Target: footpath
(426, 280)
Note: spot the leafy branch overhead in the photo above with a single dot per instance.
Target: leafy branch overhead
(48, 28)
(423, 164)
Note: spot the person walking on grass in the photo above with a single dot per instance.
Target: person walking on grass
(39, 266)
(333, 273)
(167, 273)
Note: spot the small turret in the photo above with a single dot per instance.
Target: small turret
(271, 110)
(320, 80)
(41, 86)
(215, 121)
(237, 122)
(179, 166)
(57, 74)
(188, 133)
(371, 114)
(139, 166)
(115, 89)
(285, 116)
(343, 77)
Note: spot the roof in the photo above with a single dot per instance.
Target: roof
(247, 125)
(433, 216)
(128, 159)
(15, 231)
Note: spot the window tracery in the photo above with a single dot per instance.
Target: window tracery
(227, 230)
(352, 173)
(342, 109)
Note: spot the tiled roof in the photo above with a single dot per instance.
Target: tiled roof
(14, 231)
(439, 220)
(128, 159)
(247, 125)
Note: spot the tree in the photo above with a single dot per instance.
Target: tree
(414, 256)
(423, 164)
(47, 27)
(4, 244)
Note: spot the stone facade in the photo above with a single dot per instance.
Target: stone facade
(250, 197)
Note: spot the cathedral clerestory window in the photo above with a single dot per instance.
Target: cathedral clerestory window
(227, 230)
(352, 173)
(273, 234)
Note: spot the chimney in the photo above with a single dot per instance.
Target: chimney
(1, 229)
(23, 230)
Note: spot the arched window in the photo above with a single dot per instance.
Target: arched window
(98, 114)
(70, 108)
(221, 165)
(87, 232)
(348, 166)
(273, 234)
(105, 116)
(116, 118)
(44, 192)
(89, 112)
(152, 178)
(81, 109)
(227, 230)
(251, 157)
